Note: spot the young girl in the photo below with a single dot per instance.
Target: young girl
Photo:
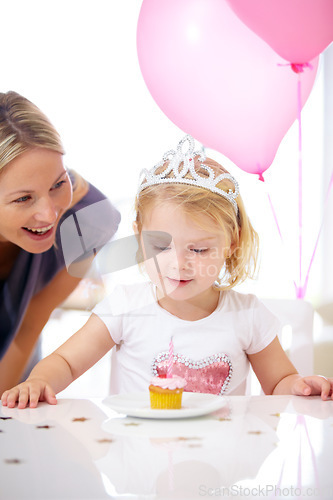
(197, 243)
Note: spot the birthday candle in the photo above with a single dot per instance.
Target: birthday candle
(170, 360)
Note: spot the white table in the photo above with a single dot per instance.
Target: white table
(254, 447)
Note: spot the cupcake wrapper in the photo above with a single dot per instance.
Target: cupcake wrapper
(160, 401)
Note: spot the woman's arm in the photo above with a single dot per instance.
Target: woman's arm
(277, 375)
(16, 358)
(55, 372)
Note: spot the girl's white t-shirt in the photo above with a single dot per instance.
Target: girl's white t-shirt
(211, 353)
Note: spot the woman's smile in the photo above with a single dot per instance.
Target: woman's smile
(40, 233)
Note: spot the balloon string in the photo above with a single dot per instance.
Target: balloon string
(275, 217)
(304, 287)
(298, 69)
(299, 291)
(261, 178)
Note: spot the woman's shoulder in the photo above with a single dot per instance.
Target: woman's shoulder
(92, 207)
(86, 226)
(80, 187)
(84, 193)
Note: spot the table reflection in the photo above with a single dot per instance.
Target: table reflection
(251, 443)
(264, 446)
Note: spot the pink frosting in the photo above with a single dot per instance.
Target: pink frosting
(169, 383)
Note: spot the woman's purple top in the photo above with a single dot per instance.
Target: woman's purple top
(32, 272)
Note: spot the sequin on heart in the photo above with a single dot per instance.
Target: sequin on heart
(209, 375)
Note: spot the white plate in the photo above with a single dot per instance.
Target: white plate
(138, 405)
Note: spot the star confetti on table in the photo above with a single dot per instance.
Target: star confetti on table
(104, 440)
(182, 438)
(255, 433)
(132, 424)
(80, 419)
(44, 426)
(275, 415)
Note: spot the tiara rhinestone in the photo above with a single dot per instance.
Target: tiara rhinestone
(186, 158)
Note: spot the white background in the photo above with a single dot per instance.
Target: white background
(77, 60)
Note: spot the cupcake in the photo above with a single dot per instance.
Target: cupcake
(166, 392)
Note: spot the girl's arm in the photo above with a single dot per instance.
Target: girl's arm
(55, 372)
(277, 375)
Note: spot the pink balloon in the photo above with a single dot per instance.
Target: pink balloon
(217, 80)
(298, 30)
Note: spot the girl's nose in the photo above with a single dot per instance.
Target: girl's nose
(180, 259)
(46, 211)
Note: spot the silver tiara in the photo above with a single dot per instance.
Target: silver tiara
(178, 157)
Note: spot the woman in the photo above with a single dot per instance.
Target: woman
(37, 194)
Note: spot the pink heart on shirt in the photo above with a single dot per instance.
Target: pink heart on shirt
(209, 375)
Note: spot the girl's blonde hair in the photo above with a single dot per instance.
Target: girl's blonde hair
(196, 202)
(23, 127)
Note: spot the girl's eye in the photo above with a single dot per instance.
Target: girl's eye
(160, 248)
(199, 250)
(58, 185)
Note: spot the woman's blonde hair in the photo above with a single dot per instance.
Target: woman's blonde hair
(23, 127)
(196, 202)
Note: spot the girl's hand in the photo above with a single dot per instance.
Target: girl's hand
(313, 385)
(31, 391)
